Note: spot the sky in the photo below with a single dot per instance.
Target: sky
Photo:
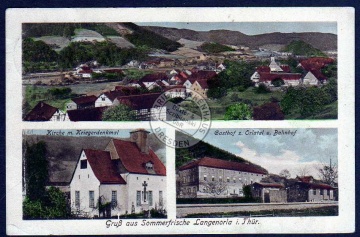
(307, 149)
(251, 28)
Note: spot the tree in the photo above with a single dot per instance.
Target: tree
(36, 173)
(268, 111)
(247, 192)
(120, 112)
(328, 173)
(285, 173)
(239, 111)
(303, 171)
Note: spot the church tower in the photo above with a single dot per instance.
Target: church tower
(139, 136)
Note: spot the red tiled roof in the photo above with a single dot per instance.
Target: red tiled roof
(285, 68)
(136, 102)
(103, 167)
(153, 77)
(90, 114)
(320, 186)
(134, 160)
(41, 112)
(270, 185)
(224, 164)
(315, 63)
(85, 71)
(263, 69)
(264, 76)
(84, 100)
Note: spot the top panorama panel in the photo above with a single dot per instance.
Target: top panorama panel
(118, 71)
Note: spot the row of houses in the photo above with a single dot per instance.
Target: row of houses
(275, 73)
(210, 177)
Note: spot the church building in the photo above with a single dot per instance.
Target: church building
(125, 177)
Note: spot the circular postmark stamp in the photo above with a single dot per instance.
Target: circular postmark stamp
(191, 118)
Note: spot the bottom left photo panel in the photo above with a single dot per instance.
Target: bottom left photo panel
(90, 174)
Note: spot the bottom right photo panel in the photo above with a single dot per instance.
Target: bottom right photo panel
(239, 172)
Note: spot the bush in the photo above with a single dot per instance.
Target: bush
(268, 111)
(262, 89)
(239, 111)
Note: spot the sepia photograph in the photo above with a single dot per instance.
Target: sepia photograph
(85, 174)
(258, 172)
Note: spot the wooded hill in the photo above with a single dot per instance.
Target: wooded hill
(202, 149)
(322, 41)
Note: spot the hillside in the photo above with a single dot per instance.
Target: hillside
(322, 41)
(140, 36)
(299, 47)
(63, 152)
(202, 149)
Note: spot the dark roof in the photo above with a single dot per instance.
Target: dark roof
(269, 185)
(113, 70)
(200, 75)
(136, 102)
(314, 185)
(84, 100)
(127, 90)
(265, 76)
(315, 63)
(318, 74)
(203, 84)
(153, 77)
(103, 167)
(41, 112)
(305, 179)
(134, 160)
(90, 114)
(224, 164)
(113, 94)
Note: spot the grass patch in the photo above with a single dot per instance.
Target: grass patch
(35, 94)
(318, 211)
(329, 111)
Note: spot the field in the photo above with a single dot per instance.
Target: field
(58, 41)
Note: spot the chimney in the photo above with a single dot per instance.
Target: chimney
(139, 136)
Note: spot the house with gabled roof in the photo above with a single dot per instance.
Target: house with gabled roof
(88, 114)
(200, 87)
(307, 189)
(212, 177)
(107, 98)
(143, 105)
(126, 177)
(45, 112)
(82, 102)
(269, 192)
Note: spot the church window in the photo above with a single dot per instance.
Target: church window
(160, 198)
(314, 192)
(220, 179)
(83, 164)
(234, 180)
(212, 178)
(205, 178)
(77, 199)
(150, 198)
(91, 199)
(228, 179)
(113, 199)
(138, 198)
(321, 191)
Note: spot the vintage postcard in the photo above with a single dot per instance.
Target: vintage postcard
(158, 121)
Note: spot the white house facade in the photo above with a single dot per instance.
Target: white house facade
(126, 177)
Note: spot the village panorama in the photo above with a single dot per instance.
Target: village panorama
(116, 71)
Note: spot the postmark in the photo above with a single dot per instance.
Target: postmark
(178, 117)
